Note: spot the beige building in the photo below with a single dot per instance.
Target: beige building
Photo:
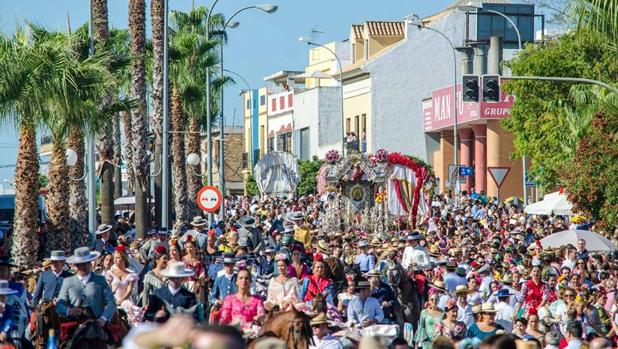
(233, 149)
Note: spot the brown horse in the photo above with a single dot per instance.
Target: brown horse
(45, 319)
(406, 293)
(291, 326)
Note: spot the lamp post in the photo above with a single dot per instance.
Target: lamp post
(230, 23)
(479, 9)
(90, 155)
(455, 135)
(309, 42)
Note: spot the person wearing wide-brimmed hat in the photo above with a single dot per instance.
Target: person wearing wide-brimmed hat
(505, 312)
(364, 260)
(85, 289)
(464, 308)
(49, 282)
(104, 240)
(485, 326)
(247, 231)
(172, 298)
(383, 293)
(7, 316)
(364, 310)
(158, 236)
(415, 254)
(225, 281)
(454, 277)
(322, 337)
(198, 232)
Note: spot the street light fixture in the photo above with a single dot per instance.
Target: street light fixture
(230, 23)
(309, 42)
(455, 130)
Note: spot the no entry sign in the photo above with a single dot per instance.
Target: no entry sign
(209, 199)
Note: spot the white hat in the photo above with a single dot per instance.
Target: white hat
(103, 228)
(177, 270)
(83, 255)
(5, 289)
(56, 255)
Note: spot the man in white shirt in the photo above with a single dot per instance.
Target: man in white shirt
(505, 313)
(415, 254)
(322, 338)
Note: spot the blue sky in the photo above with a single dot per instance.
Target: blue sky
(261, 45)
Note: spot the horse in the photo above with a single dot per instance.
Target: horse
(291, 326)
(88, 334)
(406, 293)
(45, 318)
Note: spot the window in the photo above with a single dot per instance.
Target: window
(248, 104)
(364, 124)
(262, 99)
(353, 53)
(356, 124)
(347, 125)
(290, 101)
(273, 103)
(304, 144)
(281, 102)
(271, 144)
(262, 135)
(284, 142)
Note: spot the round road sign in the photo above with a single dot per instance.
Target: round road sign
(209, 199)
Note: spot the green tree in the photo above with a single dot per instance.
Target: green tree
(544, 113)
(592, 187)
(308, 175)
(252, 188)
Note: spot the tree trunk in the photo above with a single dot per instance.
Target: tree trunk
(117, 157)
(181, 207)
(105, 142)
(128, 151)
(78, 203)
(194, 182)
(58, 202)
(157, 12)
(25, 242)
(137, 28)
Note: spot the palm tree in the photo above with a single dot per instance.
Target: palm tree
(600, 16)
(137, 29)
(178, 163)
(157, 13)
(105, 141)
(190, 53)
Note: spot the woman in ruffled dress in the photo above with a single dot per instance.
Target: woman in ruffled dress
(242, 308)
(194, 283)
(122, 281)
(153, 279)
(282, 289)
(449, 326)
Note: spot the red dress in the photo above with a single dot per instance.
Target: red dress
(317, 284)
(532, 295)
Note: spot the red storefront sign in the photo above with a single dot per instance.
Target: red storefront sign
(438, 110)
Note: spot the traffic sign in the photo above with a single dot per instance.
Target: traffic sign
(209, 199)
(453, 175)
(466, 171)
(498, 174)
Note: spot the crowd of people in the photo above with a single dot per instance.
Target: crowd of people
(473, 273)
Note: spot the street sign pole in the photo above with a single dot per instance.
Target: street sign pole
(498, 174)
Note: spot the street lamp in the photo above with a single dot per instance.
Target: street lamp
(309, 42)
(230, 23)
(455, 135)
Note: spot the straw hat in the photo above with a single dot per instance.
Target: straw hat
(103, 228)
(462, 289)
(487, 308)
(434, 251)
(319, 319)
(177, 270)
(373, 273)
(323, 247)
(439, 285)
(198, 221)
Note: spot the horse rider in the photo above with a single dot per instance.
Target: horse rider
(364, 310)
(266, 265)
(50, 281)
(16, 301)
(172, 298)
(247, 231)
(85, 290)
(364, 260)
(225, 282)
(383, 293)
(198, 233)
(104, 241)
(159, 236)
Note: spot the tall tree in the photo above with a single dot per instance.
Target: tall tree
(139, 136)
(178, 163)
(105, 141)
(157, 13)
(601, 17)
